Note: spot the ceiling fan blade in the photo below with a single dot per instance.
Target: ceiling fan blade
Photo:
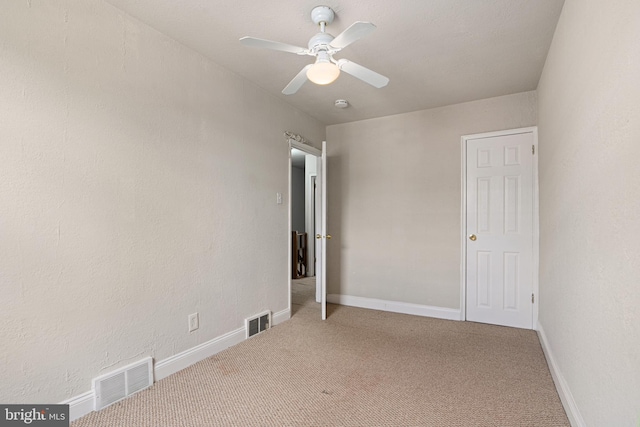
(297, 82)
(268, 44)
(363, 73)
(356, 31)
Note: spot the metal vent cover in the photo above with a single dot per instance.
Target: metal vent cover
(258, 323)
(117, 385)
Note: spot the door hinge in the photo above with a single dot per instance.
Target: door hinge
(533, 149)
(532, 299)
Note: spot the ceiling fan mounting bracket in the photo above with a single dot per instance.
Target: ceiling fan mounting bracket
(322, 14)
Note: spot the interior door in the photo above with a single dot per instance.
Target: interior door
(323, 236)
(499, 225)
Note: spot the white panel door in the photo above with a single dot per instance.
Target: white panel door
(499, 225)
(323, 231)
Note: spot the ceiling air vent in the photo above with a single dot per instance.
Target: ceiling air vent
(124, 382)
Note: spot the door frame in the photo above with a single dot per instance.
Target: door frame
(310, 219)
(535, 262)
(315, 152)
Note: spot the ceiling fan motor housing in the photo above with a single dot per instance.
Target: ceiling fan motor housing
(320, 39)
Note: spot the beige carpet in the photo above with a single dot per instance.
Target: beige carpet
(358, 368)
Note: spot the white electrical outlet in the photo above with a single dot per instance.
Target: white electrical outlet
(194, 322)
(279, 198)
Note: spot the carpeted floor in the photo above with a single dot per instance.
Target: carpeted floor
(357, 368)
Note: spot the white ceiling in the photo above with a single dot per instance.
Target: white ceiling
(436, 52)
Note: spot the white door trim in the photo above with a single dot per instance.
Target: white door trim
(304, 147)
(310, 220)
(463, 223)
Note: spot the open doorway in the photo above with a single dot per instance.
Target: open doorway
(317, 197)
(303, 193)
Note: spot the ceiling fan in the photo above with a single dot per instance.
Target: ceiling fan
(323, 46)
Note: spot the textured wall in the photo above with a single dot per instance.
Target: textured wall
(138, 184)
(394, 199)
(589, 130)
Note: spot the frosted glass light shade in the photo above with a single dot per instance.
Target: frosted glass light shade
(323, 73)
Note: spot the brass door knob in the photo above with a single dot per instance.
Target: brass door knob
(328, 236)
(318, 236)
(473, 237)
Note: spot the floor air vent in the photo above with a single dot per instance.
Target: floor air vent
(124, 382)
(258, 323)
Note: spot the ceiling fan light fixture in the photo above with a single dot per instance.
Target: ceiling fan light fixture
(323, 72)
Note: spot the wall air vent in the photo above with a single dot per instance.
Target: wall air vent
(258, 323)
(124, 382)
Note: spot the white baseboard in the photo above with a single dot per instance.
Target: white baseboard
(82, 404)
(562, 387)
(395, 306)
(200, 352)
(281, 316)
(183, 360)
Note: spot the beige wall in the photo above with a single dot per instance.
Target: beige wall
(394, 199)
(589, 130)
(138, 185)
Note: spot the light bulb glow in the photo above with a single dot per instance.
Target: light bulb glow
(323, 72)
